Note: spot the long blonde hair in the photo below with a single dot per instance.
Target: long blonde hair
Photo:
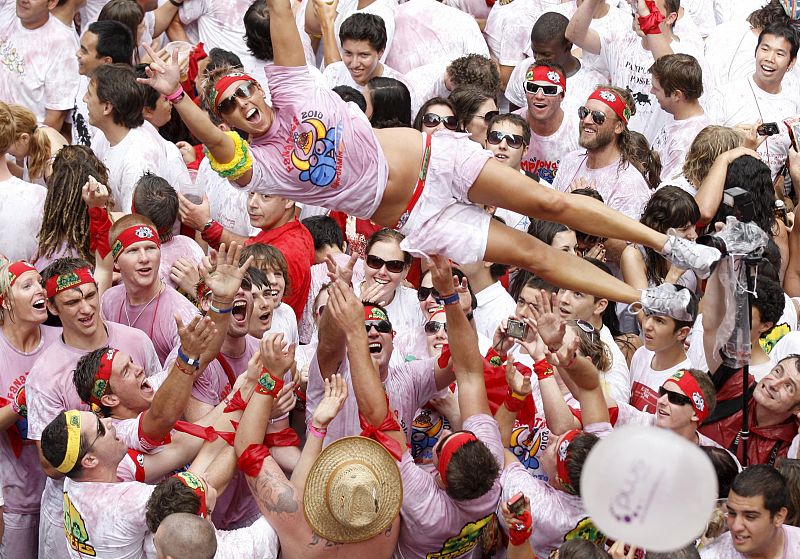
(39, 146)
(707, 145)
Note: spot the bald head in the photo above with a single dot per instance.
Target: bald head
(185, 536)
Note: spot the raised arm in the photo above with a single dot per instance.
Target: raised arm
(714, 309)
(791, 280)
(331, 347)
(286, 42)
(594, 408)
(578, 30)
(326, 14)
(463, 341)
(709, 195)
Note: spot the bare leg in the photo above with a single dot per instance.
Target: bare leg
(498, 185)
(509, 246)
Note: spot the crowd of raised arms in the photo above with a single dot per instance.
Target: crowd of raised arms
(236, 235)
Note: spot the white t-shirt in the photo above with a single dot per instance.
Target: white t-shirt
(337, 74)
(228, 204)
(508, 28)
(722, 547)
(674, 140)
(622, 186)
(647, 381)
(427, 82)
(381, 8)
(105, 519)
(702, 14)
(494, 304)
(82, 132)
(177, 247)
(21, 210)
(428, 30)
(742, 102)
(616, 382)
(39, 69)
(545, 153)
(284, 322)
(172, 167)
(403, 311)
(257, 541)
(476, 8)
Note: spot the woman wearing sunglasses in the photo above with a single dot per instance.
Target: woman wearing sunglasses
(475, 109)
(435, 114)
(313, 148)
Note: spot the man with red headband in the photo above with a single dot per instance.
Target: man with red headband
(448, 511)
(142, 300)
(72, 296)
(319, 150)
(602, 163)
(553, 134)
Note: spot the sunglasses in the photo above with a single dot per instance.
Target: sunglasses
(514, 141)
(550, 90)
(431, 120)
(588, 328)
(487, 118)
(598, 117)
(674, 397)
(381, 326)
(376, 263)
(244, 91)
(424, 292)
(432, 327)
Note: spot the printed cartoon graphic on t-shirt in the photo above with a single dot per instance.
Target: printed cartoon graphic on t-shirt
(11, 58)
(546, 169)
(779, 331)
(464, 542)
(586, 530)
(314, 150)
(425, 432)
(75, 529)
(528, 445)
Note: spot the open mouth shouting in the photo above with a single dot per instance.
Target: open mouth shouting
(375, 347)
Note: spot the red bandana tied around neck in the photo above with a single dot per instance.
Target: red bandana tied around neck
(562, 455)
(57, 284)
(546, 74)
(102, 376)
(690, 388)
(223, 84)
(15, 270)
(131, 235)
(614, 101)
(449, 448)
(196, 485)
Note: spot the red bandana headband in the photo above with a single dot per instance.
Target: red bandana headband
(615, 102)
(196, 485)
(562, 454)
(101, 377)
(690, 388)
(15, 270)
(57, 284)
(546, 74)
(134, 234)
(374, 313)
(223, 84)
(450, 447)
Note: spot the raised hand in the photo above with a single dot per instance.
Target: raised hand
(185, 274)
(222, 274)
(566, 354)
(277, 356)
(195, 336)
(442, 274)
(373, 294)
(344, 307)
(194, 215)
(332, 402)
(517, 382)
(549, 322)
(285, 401)
(163, 76)
(95, 194)
(344, 273)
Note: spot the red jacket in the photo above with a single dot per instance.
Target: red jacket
(765, 443)
(297, 246)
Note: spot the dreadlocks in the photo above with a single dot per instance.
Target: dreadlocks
(66, 217)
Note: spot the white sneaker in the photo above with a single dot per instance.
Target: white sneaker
(666, 300)
(689, 255)
(742, 238)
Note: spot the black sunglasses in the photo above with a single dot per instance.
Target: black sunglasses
(431, 120)
(376, 263)
(674, 397)
(514, 141)
(381, 326)
(424, 292)
(244, 91)
(487, 118)
(432, 327)
(598, 117)
(548, 90)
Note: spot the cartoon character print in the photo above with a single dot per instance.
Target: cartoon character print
(548, 174)
(464, 542)
(75, 529)
(779, 331)
(586, 530)
(11, 58)
(425, 432)
(318, 145)
(528, 444)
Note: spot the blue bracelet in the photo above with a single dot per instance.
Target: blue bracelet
(451, 299)
(188, 360)
(212, 308)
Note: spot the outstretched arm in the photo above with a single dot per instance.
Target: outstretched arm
(286, 42)
(578, 30)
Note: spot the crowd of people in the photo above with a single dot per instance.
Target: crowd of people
(235, 236)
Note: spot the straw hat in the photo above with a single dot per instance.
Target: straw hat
(353, 491)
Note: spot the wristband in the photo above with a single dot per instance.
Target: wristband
(514, 401)
(252, 459)
(650, 24)
(212, 308)
(518, 535)
(451, 299)
(188, 360)
(543, 369)
(182, 368)
(212, 234)
(99, 227)
(268, 385)
(178, 94)
(176, 4)
(319, 433)
(236, 403)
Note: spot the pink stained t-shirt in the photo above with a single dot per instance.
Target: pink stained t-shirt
(722, 547)
(50, 391)
(23, 479)
(319, 149)
(177, 247)
(156, 319)
(434, 525)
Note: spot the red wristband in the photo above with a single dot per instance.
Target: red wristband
(252, 459)
(513, 401)
(213, 235)
(650, 24)
(236, 403)
(99, 227)
(268, 385)
(543, 369)
(518, 535)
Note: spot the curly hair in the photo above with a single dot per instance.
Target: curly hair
(477, 70)
(169, 496)
(66, 217)
(706, 146)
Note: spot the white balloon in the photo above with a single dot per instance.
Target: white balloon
(649, 487)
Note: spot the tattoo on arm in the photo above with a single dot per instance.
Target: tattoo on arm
(327, 544)
(276, 496)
